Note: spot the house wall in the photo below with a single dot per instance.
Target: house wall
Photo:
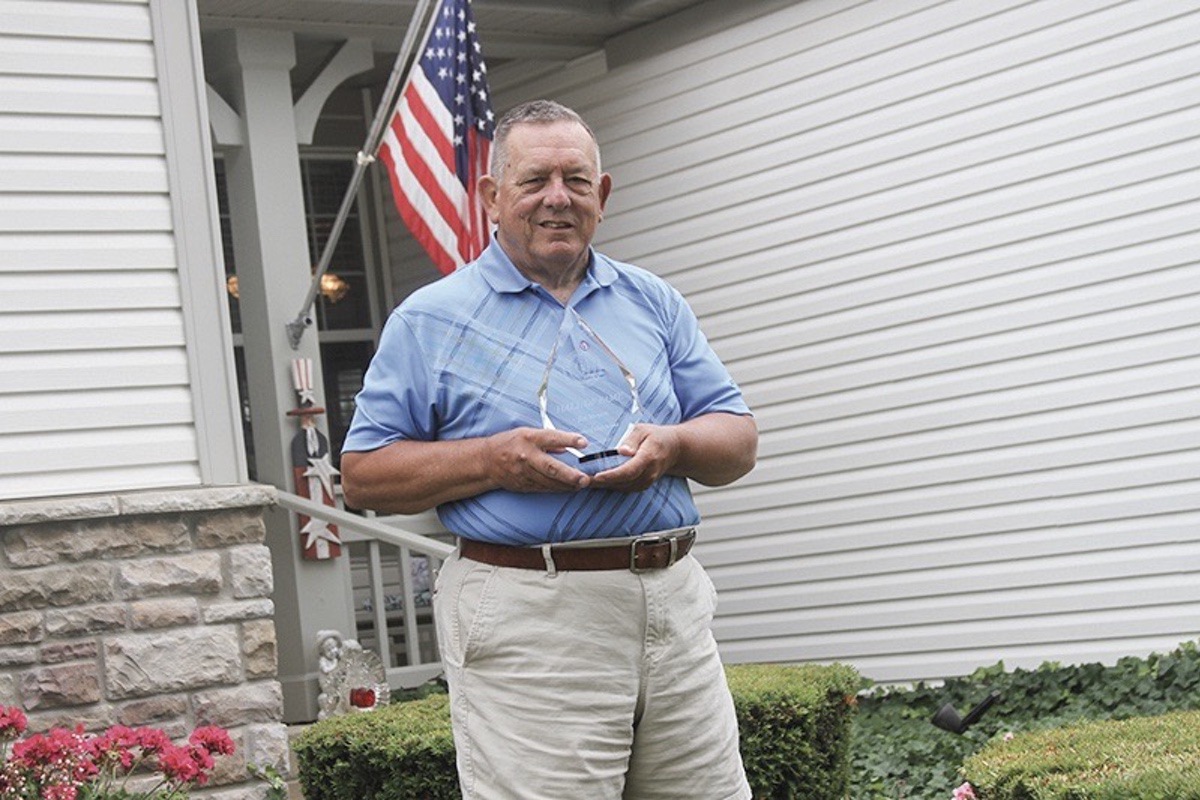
(139, 608)
(145, 609)
(114, 340)
(948, 249)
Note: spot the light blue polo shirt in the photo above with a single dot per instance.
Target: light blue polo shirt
(464, 357)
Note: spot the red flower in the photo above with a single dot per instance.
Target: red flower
(118, 736)
(177, 764)
(114, 748)
(213, 739)
(58, 746)
(152, 740)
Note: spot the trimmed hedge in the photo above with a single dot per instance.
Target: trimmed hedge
(794, 723)
(794, 726)
(1146, 758)
(403, 751)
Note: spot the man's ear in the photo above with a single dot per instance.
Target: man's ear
(605, 189)
(488, 189)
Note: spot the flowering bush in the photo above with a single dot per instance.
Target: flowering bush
(72, 765)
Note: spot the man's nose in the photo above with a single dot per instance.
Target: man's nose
(556, 195)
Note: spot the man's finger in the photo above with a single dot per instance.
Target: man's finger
(558, 441)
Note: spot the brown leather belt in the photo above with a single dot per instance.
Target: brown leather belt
(653, 551)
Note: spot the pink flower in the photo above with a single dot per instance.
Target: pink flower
(964, 792)
(60, 791)
(213, 739)
(13, 722)
(69, 765)
(84, 769)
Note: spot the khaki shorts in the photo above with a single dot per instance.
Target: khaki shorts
(592, 685)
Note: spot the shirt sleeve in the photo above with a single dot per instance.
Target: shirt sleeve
(397, 401)
(701, 382)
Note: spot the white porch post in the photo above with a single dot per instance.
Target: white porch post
(251, 69)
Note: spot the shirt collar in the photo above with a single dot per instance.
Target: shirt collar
(503, 276)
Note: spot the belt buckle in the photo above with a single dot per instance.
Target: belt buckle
(633, 552)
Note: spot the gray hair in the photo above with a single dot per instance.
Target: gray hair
(534, 112)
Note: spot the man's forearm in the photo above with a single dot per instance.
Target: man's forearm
(409, 477)
(716, 449)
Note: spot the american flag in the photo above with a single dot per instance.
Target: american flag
(439, 139)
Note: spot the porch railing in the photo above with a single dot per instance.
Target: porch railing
(391, 571)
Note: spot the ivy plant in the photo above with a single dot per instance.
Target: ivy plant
(899, 755)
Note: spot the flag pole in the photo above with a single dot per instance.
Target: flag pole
(296, 328)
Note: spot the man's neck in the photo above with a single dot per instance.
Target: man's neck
(559, 283)
(563, 292)
(562, 282)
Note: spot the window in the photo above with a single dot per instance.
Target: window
(346, 320)
(325, 183)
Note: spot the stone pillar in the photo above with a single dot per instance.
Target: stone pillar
(145, 609)
(251, 68)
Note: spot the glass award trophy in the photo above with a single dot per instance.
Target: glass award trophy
(587, 389)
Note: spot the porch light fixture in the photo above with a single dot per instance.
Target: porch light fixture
(333, 287)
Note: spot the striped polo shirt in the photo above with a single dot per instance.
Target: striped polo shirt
(464, 357)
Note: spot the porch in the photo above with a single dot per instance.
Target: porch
(390, 563)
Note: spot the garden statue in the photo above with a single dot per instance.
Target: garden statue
(349, 677)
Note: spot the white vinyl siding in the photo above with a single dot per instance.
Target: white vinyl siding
(95, 382)
(949, 251)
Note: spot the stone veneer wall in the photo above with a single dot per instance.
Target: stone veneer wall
(149, 608)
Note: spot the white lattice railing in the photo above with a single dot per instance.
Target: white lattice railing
(392, 614)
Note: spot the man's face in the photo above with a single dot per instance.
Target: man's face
(550, 198)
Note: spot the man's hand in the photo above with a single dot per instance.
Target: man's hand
(408, 477)
(519, 460)
(713, 449)
(651, 449)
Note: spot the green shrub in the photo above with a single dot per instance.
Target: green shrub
(1146, 758)
(794, 724)
(897, 753)
(403, 751)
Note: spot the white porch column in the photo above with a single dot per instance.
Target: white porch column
(251, 68)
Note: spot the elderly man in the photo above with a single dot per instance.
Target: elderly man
(573, 623)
